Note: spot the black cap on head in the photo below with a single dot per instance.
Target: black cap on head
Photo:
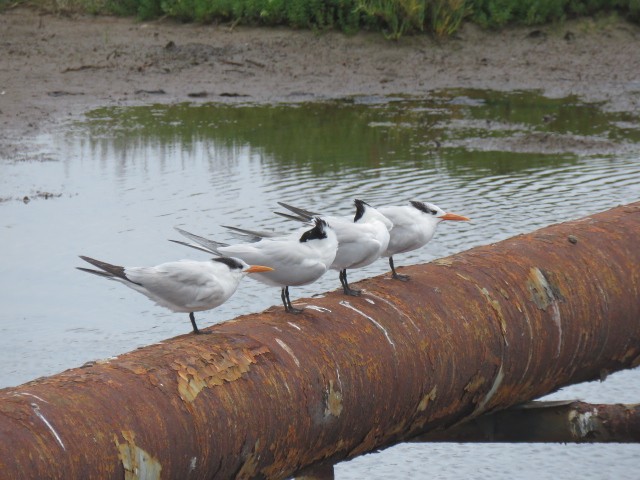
(359, 209)
(316, 233)
(232, 263)
(423, 207)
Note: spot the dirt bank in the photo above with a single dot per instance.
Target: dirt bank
(54, 68)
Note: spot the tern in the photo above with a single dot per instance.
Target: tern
(361, 239)
(299, 258)
(413, 227)
(182, 286)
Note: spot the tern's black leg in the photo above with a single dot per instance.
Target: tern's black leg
(394, 274)
(195, 327)
(286, 301)
(345, 285)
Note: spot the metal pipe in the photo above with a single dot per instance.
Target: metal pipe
(269, 394)
(548, 422)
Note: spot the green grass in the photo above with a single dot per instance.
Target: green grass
(394, 18)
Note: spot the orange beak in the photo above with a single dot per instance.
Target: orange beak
(454, 216)
(258, 268)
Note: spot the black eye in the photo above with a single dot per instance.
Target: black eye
(433, 212)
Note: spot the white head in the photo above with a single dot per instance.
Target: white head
(366, 213)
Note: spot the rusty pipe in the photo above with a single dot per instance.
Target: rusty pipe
(548, 422)
(268, 394)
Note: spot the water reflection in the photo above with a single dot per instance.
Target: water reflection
(128, 175)
(354, 133)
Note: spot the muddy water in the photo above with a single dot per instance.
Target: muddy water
(114, 187)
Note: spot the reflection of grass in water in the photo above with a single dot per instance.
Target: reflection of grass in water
(324, 136)
(539, 113)
(460, 162)
(365, 133)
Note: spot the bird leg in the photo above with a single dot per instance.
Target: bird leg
(195, 327)
(395, 275)
(286, 301)
(345, 285)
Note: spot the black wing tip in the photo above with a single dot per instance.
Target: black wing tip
(180, 242)
(211, 245)
(289, 216)
(112, 270)
(195, 247)
(307, 215)
(95, 272)
(96, 263)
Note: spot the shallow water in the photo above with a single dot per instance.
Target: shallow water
(122, 180)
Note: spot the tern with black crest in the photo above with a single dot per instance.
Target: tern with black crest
(362, 239)
(183, 286)
(297, 259)
(413, 227)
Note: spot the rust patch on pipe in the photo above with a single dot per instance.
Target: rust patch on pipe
(334, 401)
(429, 397)
(582, 424)
(445, 262)
(544, 296)
(210, 370)
(494, 388)
(250, 466)
(541, 291)
(496, 307)
(632, 354)
(138, 464)
(475, 383)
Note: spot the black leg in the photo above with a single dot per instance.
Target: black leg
(345, 285)
(394, 274)
(195, 327)
(287, 302)
(193, 322)
(283, 297)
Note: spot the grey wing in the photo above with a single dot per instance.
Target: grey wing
(301, 213)
(179, 287)
(355, 245)
(194, 246)
(206, 245)
(254, 235)
(295, 218)
(293, 262)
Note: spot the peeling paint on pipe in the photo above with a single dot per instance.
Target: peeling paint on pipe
(267, 395)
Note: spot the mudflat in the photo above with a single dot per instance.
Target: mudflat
(55, 68)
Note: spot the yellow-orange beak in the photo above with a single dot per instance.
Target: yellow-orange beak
(258, 268)
(454, 216)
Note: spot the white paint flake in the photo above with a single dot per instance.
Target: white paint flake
(287, 349)
(36, 410)
(318, 309)
(386, 334)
